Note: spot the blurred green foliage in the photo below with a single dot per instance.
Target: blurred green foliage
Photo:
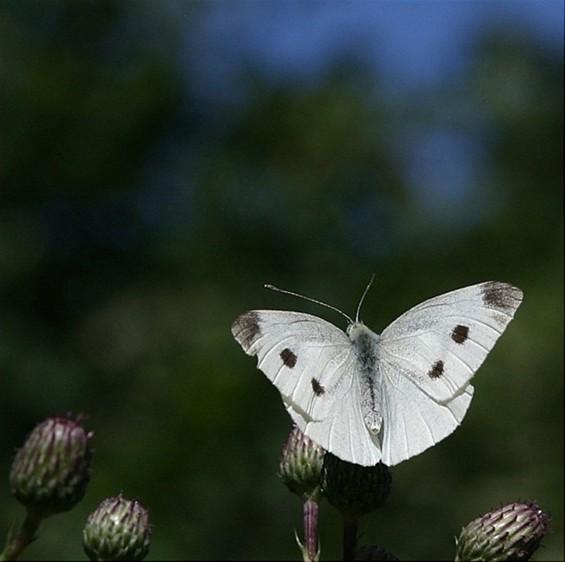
(139, 219)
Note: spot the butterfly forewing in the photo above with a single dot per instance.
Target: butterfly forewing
(308, 359)
(440, 343)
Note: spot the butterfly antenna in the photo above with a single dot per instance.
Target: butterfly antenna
(273, 288)
(363, 297)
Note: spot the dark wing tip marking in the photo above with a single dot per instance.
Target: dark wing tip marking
(501, 296)
(288, 357)
(460, 334)
(246, 329)
(317, 387)
(436, 371)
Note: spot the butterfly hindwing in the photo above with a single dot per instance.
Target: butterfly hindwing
(343, 430)
(413, 421)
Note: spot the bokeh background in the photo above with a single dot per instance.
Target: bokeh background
(160, 161)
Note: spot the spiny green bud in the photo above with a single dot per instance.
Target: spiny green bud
(301, 465)
(355, 490)
(118, 529)
(512, 532)
(51, 471)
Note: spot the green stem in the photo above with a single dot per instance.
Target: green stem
(24, 537)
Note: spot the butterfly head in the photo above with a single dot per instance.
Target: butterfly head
(357, 330)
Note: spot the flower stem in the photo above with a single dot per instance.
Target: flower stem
(311, 529)
(24, 537)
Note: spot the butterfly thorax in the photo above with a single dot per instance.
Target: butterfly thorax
(365, 344)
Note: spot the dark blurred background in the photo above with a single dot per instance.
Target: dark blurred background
(160, 161)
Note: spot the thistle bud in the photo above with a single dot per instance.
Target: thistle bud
(512, 532)
(51, 471)
(118, 529)
(301, 465)
(355, 490)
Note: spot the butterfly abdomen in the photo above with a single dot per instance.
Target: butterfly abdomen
(365, 343)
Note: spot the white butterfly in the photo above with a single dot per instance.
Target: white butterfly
(368, 398)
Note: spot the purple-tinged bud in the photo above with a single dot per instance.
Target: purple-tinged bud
(301, 465)
(512, 532)
(51, 471)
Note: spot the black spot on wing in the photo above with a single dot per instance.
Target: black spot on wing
(317, 387)
(246, 329)
(500, 296)
(288, 357)
(460, 333)
(436, 371)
